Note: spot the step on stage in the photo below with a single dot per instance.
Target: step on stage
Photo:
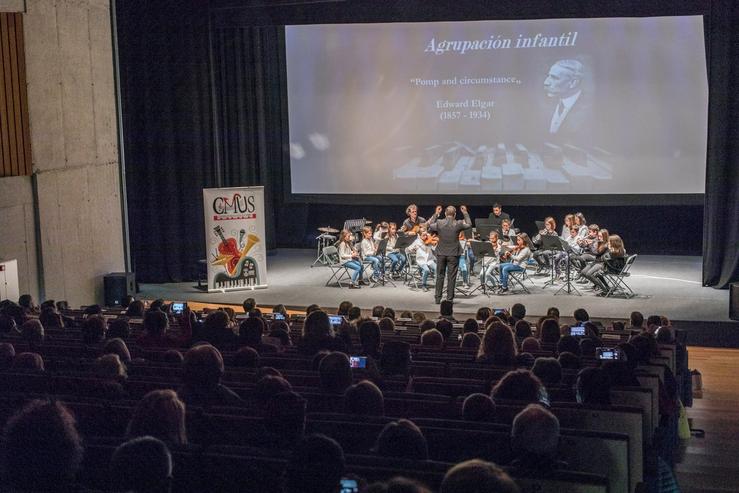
(668, 285)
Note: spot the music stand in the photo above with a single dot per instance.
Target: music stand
(403, 242)
(551, 244)
(540, 226)
(380, 252)
(568, 287)
(482, 221)
(482, 249)
(485, 229)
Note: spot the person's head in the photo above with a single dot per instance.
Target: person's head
(28, 361)
(280, 330)
(654, 321)
(33, 332)
(636, 319)
(497, 209)
(549, 331)
(402, 439)
(665, 335)
(523, 329)
(569, 361)
(470, 341)
(493, 237)
(398, 485)
(110, 367)
(370, 336)
(246, 357)
(216, 321)
(535, 431)
(483, 313)
(344, 307)
(426, 324)
(470, 326)
(367, 232)
(386, 324)
(250, 331)
(445, 327)
(364, 399)
(581, 315)
(316, 466)
(568, 344)
(593, 386)
(550, 224)
(172, 356)
(7, 355)
(587, 347)
(395, 358)
(392, 229)
(518, 311)
(157, 304)
(530, 345)
(432, 338)
(317, 326)
(26, 301)
(141, 465)
(419, 317)
(42, 449)
(285, 417)
(280, 308)
(548, 370)
(268, 386)
(499, 343)
(603, 236)
(377, 311)
(523, 240)
(135, 309)
(446, 308)
(249, 304)
(616, 246)
(505, 225)
(346, 236)
(478, 407)
(645, 347)
(50, 318)
(450, 211)
(618, 325)
(477, 476)
(202, 367)
(160, 414)
(7, 323)
(388, 313)
(335, 373)
(519, 385)
(119, 329)
(93, 310)
(354, 313)
(412, 211)
(156, 322)
(118, 347)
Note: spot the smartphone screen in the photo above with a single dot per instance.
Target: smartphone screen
(358, 361)
(336, 320)
(278, 316)
(178, 307)
(349, 486)
(606, 353)
(577, 331)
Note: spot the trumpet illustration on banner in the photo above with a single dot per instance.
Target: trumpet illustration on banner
(240, 269)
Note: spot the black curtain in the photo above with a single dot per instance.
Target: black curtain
(721, 220)
(167, 125)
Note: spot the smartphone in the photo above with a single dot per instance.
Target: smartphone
(336, 320)
(178, 307)
(608, 353)
(349, 486)
(577, 331)
(498, 311)
(278, 316)
(358, 361)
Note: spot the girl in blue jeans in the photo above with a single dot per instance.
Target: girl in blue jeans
(349, 257)
(519, 257)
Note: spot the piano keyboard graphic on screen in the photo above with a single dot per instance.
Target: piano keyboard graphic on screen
(456, 167)
(247, 275)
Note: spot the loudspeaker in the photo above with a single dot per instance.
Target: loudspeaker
(118, 285)
(734, 301)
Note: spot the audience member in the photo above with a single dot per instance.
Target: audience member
(593, 387)
(534, 439)
(344, 308)
(202, 369)
(581, 316)
(28, 361)
(426, 324)
(470, 326)
(518, 312)
(419, 317)
(636, 321)
(477, 476)
(135, 309)
(156, 334)
(370, 339)
(318, 334)
(446, 328)
(388, 313)
(311, 308)
(377, 311)
(218, 329)
(553, 312)
(530, 345)
(483, 313)
(250, 334)
(118, 347)
(246, 357)
(519, 385)
(395, 359)
(446, 311)
(471, 341)
(50, 319)
(284, 419)
(548, 370)
(569, 361)
(249, 304)
(498, 346)
(364, 399)
(549, 331)
(568, 344)
(33, 333)
(335, 373)
(315, 466)
(172, 356)
(385, 324)
(587, 347)
(7, 355)
(42, 449)
(397, 485)
(478, 407)
(523, 330)
(160, 414)
(268, 386)
(354, 314)
(524, 361)
(141, 465)
(402, 439)
(432, 338)
(119, 328)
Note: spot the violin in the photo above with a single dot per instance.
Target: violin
(431, 240)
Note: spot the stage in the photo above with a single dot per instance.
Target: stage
(668, 285)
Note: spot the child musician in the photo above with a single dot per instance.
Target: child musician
(491, 264)
(397, 258)
(349, 257)
(423, 247)
(367, 248)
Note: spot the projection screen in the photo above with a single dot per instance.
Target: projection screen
(556, 106)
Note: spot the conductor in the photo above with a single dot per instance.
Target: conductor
(448, 249)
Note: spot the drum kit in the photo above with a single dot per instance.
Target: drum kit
(325, 238)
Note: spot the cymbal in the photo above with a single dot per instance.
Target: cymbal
(368, 221)
(328, 229)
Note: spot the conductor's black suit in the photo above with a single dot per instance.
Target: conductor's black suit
(448, 251)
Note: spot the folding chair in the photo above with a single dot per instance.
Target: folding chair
(616, 282)
(518, 277)
(339, 272)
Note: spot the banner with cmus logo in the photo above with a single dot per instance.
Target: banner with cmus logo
(234, 238)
